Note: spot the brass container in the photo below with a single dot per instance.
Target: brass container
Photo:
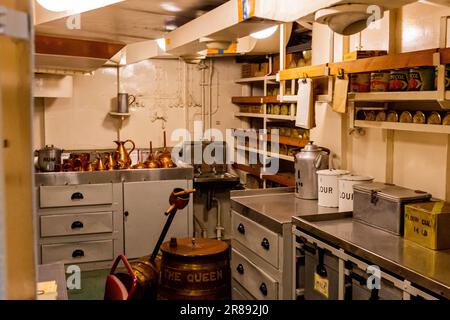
(165, 157)
(110, 162)
(151, 162)
(195, 269)
(100, 164)
(122, 155)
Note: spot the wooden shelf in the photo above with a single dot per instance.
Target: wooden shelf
(262, 116)
(294, 142)
(294, 99)
(299, 73)
(247, 100)
(279, 117)
(287, 180)
(256, 79)
(396, 96)
(255, 100)
(249, 115)
(430, 128)
(387, 62)
(268, 154)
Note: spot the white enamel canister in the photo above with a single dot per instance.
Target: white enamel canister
(329, 187)
(346, 190)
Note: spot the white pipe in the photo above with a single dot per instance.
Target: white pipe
(219, 227)
(211, 69)
(202, 86)
(185, 95)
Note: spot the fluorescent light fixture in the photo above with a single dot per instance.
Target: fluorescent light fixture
(75, 5)
(170, 6)
(161, 44)
(263, 34)
(56, 5)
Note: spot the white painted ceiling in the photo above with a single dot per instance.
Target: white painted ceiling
(128, 21)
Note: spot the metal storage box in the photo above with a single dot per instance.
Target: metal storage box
(428, 224)
(382, 205)
(320, 261)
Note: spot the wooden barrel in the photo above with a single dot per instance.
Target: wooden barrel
(195, 269)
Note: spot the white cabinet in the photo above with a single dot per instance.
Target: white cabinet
(144, 218)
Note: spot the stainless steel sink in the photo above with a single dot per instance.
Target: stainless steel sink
(218, 179)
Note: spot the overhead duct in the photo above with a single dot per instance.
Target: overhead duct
(74, 55)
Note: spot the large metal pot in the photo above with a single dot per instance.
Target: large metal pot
(49, 158)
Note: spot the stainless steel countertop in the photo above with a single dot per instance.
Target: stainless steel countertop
(427, 268)
(274, 207)
(182, 172)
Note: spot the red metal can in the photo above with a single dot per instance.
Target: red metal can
(360, 82)
(379, 81)
(398, 80)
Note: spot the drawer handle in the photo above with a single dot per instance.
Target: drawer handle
(77, 225)
(263, 289)
(241, 228)
(77, 196)
(78, 253)
(240, 269)
(265, 244)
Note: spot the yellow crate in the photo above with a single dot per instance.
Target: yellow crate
(428, 224)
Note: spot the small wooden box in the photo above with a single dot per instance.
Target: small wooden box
(428, 224)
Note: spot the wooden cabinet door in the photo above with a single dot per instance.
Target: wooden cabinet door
(144, 207)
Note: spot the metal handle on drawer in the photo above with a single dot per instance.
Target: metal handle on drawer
(265, 244)
(240, 269)
(77, 225)
(78, 253)
(241, 228)
(263, 289)
(77, 196)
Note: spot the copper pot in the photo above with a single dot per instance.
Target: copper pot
(151, 162)
(139, 165)
(110, 162)
(100, 164)
(165, 157)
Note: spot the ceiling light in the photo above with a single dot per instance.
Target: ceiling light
(161, 44)
(171, 26)
(56, 5)
(263, 34)
(170, 6)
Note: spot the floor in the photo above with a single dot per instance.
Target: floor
(92, 286)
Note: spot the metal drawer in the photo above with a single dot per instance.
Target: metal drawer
(75, 224)
(75, 195)
(258, 239)
(252, 278)
(78, 252)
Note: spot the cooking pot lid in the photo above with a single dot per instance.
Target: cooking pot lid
(351, 177)
(332, 172)
(195, 247)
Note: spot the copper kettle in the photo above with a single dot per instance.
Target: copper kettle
(165, 157)
(122, 156)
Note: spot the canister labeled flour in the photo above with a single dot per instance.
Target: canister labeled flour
(346, 190)
(329, 187)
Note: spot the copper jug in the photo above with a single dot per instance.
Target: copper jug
(110, 162)
(122, 156)
(165, 157)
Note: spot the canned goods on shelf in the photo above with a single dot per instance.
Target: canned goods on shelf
(392, 116)
(434, 118)
(370, 116)
(446, 120)
(360, 82)
(381, 116)
(419, 117)
(406, 117)
(421, 79)
(379, 81)
(398, 80)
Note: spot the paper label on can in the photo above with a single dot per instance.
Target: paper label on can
(321, 285)
(398, 81)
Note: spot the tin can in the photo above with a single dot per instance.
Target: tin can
(360, 82)
(421, 79)
(379, 81)
(398, 80)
